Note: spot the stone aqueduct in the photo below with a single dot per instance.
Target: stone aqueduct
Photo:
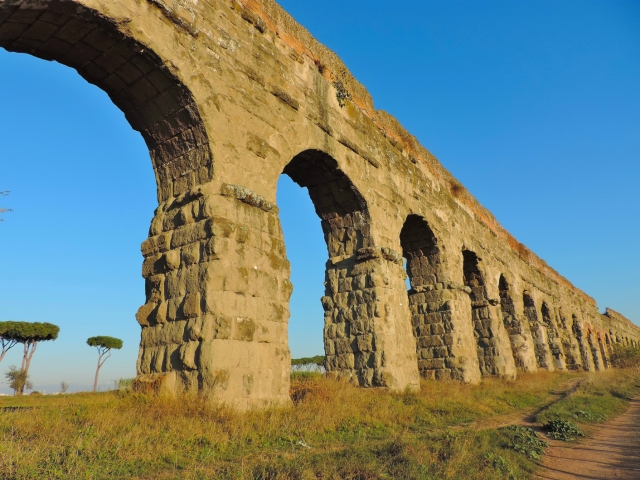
(230, 94)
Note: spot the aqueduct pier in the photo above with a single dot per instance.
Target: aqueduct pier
(230, 94)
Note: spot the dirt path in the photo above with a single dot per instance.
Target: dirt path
(613, 452)
(526, 417)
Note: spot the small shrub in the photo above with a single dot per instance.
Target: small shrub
(342, 94)
(625, 356)
(499, 464)
(524, 440)
(583, 415)
(125, 383)
(18, 379)
(562, 430)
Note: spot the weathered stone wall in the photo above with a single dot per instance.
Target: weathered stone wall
(229, 95)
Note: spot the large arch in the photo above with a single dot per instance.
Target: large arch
(155, 102)
(431, 319)
(344, 219)
(158, 104)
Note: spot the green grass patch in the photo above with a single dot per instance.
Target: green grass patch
(600, 396)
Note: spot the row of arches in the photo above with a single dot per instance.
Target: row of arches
(539, 337)
(505, 341)
(459, 331)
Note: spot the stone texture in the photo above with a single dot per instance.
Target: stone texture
(229, 95)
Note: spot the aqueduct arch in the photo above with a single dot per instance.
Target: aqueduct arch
(155, 102)
(239, 86)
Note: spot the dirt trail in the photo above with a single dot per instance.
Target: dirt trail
(613, 452)
(527, 416)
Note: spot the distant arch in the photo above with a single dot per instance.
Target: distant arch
(553, 337)
(487, 328)
(595, 350)
(425, 269)
(603, 352)
(519, 336)
(541, 348)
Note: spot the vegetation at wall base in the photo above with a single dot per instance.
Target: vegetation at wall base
(332, 431)
(626, 356)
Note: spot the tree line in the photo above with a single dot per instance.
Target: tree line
(30, 334)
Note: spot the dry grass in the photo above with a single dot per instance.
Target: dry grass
(333, 431)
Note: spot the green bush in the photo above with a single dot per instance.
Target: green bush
(18, 379)
(523, 440)
(625, 356)
(562, 430)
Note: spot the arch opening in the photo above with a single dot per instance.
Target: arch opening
(431, 317)
(603, 352)
(486, 325)
(90, 256)
(517, 330)
(161, 107)
(538, 332)
(553, 337)
(348, 332)
(570, 346)
(585, 353)
(595, 350)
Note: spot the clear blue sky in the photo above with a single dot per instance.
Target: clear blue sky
(533, 105)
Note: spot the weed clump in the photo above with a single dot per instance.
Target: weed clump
(342, 94)
(626, 356)
(588, 416)
(524, 440)
(499, 464)
(563, 430)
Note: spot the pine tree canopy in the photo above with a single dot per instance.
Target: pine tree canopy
(105, 342)
(24, 332)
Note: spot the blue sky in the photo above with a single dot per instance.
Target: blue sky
(533, 106)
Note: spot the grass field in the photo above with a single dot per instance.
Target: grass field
(333, 431)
